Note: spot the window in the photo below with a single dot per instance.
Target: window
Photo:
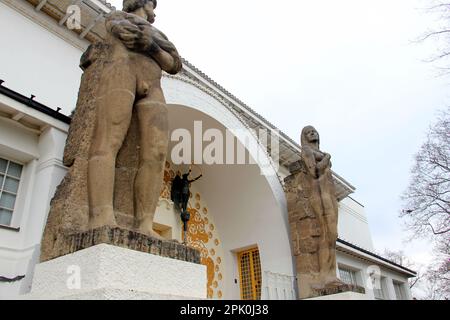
(10, 173)
(399, 292)
(380, 292)
(348, 276)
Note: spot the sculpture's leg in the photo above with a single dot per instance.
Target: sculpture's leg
(331, 222)
(113, 115)
(154, 142)
(330, 208)
(324, 257)
(185, 202)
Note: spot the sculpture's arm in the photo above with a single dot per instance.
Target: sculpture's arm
(324, 164)
(309, 161)
(190, 181)
(169, 61)
(163, 51)
(138, 35)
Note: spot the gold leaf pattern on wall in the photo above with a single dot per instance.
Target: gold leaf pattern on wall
(200, 236)
(169, 174)
(199, 239)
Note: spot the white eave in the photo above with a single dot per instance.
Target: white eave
(361, 253)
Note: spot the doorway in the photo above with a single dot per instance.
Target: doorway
(250, 274)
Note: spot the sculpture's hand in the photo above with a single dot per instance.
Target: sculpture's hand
(123, 26)
(137, 40)
(145, 41)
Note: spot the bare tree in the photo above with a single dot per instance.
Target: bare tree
(440, 33)
(400, 258)
(427, 199)
(438, 273)
(427, 203)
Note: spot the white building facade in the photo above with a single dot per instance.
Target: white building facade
(239, 216)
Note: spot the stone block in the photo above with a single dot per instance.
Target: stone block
(104, 272)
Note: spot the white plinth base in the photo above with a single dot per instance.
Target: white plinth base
(343, 296)
(105, 272)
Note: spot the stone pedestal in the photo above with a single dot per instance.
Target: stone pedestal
(343, 296)
(339, 288)
(124, 238)
(106, 272)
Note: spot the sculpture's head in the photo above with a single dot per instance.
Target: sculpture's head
(142, 8)
(310, 137)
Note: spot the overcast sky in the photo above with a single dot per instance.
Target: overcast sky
(351, 68)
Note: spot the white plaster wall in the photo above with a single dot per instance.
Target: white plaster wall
(40, 154)
(36, 61)
(166, 215)
(17, 142)
(247, 215)
(353, 225)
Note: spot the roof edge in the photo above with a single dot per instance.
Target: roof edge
(374, 255)
(28, 101)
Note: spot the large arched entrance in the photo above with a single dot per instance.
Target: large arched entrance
(234, 207)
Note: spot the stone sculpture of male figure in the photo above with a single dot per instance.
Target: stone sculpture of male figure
(118, 140)
(139, 53)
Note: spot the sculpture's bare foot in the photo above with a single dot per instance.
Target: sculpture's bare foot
(102, 216)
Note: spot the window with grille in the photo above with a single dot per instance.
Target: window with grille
(399, 293)
(250, 273)
(348, 276)
(10, 173)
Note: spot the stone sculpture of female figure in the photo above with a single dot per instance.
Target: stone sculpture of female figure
(323, 202)
(313, 217)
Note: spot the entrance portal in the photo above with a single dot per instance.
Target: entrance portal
(250, 274)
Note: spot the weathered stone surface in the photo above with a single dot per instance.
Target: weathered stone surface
(339, 289)
(313, 216)
(118, 140)
(129, 240)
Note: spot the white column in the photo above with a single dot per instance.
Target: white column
(390, 289)
(48, 175)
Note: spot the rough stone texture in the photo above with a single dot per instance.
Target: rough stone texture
(130, 240)
(110, 272)
(313, 217)
(340, 289)
(349, 295)
(122, 294)
(69, 212)
(118, 139)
